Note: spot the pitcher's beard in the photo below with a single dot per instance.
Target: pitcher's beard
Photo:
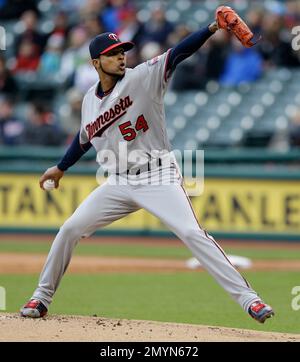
(114, 75)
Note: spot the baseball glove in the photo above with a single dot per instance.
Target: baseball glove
(229, 20)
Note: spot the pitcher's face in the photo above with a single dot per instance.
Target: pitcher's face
(112, 63)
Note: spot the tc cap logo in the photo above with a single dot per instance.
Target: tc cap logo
(113, 37)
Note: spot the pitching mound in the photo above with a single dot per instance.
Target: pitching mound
(95, 329)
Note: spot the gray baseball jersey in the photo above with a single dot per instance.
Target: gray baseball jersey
(132, 114)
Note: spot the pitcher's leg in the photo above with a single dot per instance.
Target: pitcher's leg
(172, 206)
(104, 205)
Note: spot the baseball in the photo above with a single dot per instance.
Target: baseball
(49, 185)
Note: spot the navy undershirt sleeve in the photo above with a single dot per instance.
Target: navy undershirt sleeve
(74, 153)
(187, 47)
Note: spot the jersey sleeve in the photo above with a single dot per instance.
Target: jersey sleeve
(154, 76)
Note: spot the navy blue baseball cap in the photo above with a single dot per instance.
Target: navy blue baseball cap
(105, 42)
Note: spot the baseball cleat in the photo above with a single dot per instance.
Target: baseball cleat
(34, 309)
(260, 311)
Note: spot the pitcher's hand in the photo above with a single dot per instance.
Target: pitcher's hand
(53, 173)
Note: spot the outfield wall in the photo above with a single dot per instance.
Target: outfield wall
(230, 206)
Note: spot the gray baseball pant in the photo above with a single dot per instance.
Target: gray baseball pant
(171, 205)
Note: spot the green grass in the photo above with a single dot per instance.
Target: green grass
(267, 254)
(103, 249)
(176, 297)
(145, 251)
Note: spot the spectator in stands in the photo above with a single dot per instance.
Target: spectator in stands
(275, 45)
(205, 64)
(93, 25)
(255, 18)
(28, 58)
(61, 25)
(158, 28)
(10, 127)
(30, 33)
(8, 85)
(110, 16)
(13, 9)
(75, 54)
(51, 58)
(84, 76)
(292, 14)
(41, 129)
(93, 6)
(217, 53)
(71, 117)
(186, 75)
(243, 65)
(69, 6)
(184, 78)
(130, 29)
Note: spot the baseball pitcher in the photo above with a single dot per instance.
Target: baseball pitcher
(126, 107)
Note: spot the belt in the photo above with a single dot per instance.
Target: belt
(143, 168)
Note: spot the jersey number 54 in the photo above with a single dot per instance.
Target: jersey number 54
(129, 131)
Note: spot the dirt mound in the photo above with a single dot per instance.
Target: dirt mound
(95, 329)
